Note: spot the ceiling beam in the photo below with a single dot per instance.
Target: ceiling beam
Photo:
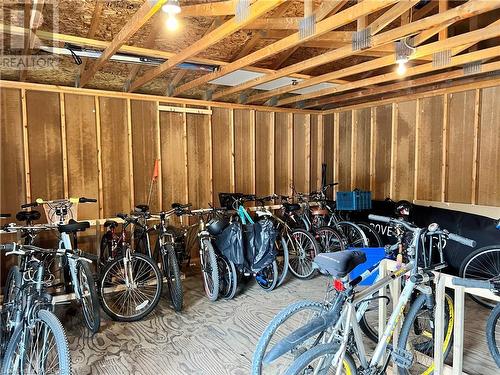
(408, 84)
(259, 8)
(488, 53)
(215, 9)
(422, 27)
(443, 7)
(322, 27)
(392, 14)
(425, 10)
(327, 57)
(94, 26)
(143, 14)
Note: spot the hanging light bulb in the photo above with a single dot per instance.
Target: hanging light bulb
(172, 8)
(401, 69)
(172, 22)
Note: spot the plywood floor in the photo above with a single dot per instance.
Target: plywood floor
(214, 338)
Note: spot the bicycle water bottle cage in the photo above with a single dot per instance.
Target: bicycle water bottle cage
(340, 263)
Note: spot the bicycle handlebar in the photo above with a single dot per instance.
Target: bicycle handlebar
(14, 248)
(470, 283)
(5, 216)
(87, 200)
(28, 205)
(463, 240)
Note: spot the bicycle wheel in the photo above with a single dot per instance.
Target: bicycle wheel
(210, 270)
(12, 285)
(173, 275)
(369, 320)
(267, 278)
(41, 348)
(329, 240)
(228, 277)
(417, 335)
(130, 288)
(353, 234)
(482, 264)
(282, 258)
(371, 234)
(285, 322)
(89, 297)
(104, 250)
(302, 248)
(318, 360)
(493, 334)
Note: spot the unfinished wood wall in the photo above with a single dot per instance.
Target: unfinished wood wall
(443, 148)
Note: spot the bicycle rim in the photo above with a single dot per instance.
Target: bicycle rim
(329, 240)
(89, 297)
(302, 248)
(354, 235)
(282, 259)
(173, 275)
(210, 271)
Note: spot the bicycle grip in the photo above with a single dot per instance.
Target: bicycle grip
(383, 219)
(5, 216)
(87, 200)
(471, 283)
(462, 240)
(27, 205)
(8, 247)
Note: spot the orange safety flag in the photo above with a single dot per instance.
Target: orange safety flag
(155, 170)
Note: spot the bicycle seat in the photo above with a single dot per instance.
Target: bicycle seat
(332, 205)
(28, 215)
(178, 205)
(290, 207)
(141, 208)
(4, 216)
(340, 263)
(74, 226)
(110, 224)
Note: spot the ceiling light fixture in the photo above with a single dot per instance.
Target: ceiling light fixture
(172, 8)
(403, 53)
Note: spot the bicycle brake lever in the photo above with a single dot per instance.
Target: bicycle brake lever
(15, 252)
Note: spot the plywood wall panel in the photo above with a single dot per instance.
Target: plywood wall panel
(244, 150)
(283, 152)
(382, 123)
(115, 165)
(264, 153)
(45, 145)
(173, 158)
(460, 145)
(81, 146)
(317, 151)
(199, 160)
(430, 154)
(144, 148)
(361, 151)
(222, 150)
(345, 145)
(301, 151)
(488, 192)
(404, 150)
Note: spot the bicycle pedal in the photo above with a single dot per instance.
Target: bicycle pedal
(402, 358)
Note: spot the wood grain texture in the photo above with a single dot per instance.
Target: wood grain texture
(144, 148)
(345, 141)
(283, 137)
(488, 192)
(361, 127)
(114, 146)
(264, 153)
(199, 160)
(301, 152)
(460, 144)
(44, 142)
(404, 152)
(244, 151)
(222, 149)
(329, 149)
(82, 152)
(430, 149)
(382, 151)
(317, 151)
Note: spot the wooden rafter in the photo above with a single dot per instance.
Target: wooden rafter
(145, 12)
(259, 8)
(443, 7)
(214, 9)
(332, 55)
(422, 26)
(421, 69)
(32, 20)
(425, 10)
(94, 26)
(322, 27)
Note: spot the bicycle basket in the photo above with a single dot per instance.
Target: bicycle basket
(227, 199)
(53, 212)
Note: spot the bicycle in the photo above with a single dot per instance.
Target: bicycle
(61, 214)
(36, 339)
(492, 329)
(130, 283)
(337, 334)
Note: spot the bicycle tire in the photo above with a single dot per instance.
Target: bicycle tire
(374, 239)
(491, 334)
(365, 325)
(173, 275)
(12, 284)
(353, 234)
(150, 304)
(303, 362)
(273, 327)
(301, 255)
(211, 274)
(227, 289)
(90, 306)
(329, 240)
(104, 253)
(269, 272)
(61, 344)
(410, 324)
(482, 257)
(283, 266)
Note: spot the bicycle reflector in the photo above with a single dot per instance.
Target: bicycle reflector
(338, 285)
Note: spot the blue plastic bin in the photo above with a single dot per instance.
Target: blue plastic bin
(354, 200)
(373, 255)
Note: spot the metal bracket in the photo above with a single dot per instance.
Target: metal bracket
(472, 68)
(126, 87)
(307, 26)
(403, 49)
(170, 90)
(242, 10)
(242, 98)
(272, 102)
(300, 104)
(441, 59)
(207, 95)
(361, 39)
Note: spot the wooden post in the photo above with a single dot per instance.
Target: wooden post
(417, 131)
(64, 144)
(184, 145)
(272, 152)
(210, 167)
(394, 124)
(458, 330)
(27, 175)
(130, 154)
(373, 146)
(444, 162)
(354, 134)
(99, 156)
(475, 152)
(290, 148)
(232, 172)
(158, 156)
(336, 148)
